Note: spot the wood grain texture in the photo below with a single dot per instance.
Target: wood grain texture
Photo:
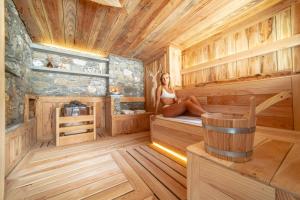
(296, 29)
(18, 142)
(234, 98)
(93, 170)
(135, 28)
(2, 99)
(45, 113)
(175, 135)
(287, 176)
(229, 182)
(69, 7)
(296, 100)
(53, 11)
(266, 169)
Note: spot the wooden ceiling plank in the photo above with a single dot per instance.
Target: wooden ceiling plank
(113, 3)
(211, 19)
(196, 36)
(202, 15)
(180, 13)
(69, 7)
(145, 13)
(86, 12)
(26, 13)
(246, 19)
(37, 10)
(125, 15)
(97, 25)
(110, 19)
(55, 20)
(165, 12)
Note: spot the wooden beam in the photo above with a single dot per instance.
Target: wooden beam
(257, 51)
(296, 101)
(132, 99)
(2, 99)
(113, 3)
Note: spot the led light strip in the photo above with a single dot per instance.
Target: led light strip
(170, 152)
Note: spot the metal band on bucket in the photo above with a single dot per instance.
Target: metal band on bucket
(231, 154)
(230, 130)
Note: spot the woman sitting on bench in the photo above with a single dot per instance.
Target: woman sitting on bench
(172, 106)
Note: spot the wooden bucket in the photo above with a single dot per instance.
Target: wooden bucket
(230, 137)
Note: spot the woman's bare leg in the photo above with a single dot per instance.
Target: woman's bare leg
(194, 108)
(195, 100)
(174, 110)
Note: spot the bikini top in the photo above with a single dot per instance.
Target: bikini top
(166, 94)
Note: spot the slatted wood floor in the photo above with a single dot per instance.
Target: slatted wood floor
(122, 167)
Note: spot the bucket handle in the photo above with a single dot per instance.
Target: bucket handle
(264, 105)
(273, 100)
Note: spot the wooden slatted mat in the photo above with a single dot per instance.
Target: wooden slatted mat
(165, 177)
(92, 170)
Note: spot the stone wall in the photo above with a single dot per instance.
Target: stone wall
(57, 84)
(127, 74)
(17, 62)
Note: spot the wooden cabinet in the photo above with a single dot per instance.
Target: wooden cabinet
(271, 174)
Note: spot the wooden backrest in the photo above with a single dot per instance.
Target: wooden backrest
(234, 98)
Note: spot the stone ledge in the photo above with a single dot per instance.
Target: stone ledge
(57, 70)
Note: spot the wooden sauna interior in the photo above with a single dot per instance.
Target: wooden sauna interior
(109, 55)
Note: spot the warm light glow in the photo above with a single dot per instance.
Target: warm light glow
(181, 157)
(74, 50)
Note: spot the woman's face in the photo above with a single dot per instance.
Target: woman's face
(165, 79)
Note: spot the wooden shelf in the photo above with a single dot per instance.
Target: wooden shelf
(57, 70)
(62, 51)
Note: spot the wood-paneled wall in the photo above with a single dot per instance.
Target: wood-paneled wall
(234, 98)
(169, 60)
(18, 142)
(2, 99)
(153, 69)
(264, 44)
(45, 113)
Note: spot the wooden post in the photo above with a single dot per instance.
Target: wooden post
(2, 100)
(296, 101)
(57, 126)
(94, 122)
(296, 30)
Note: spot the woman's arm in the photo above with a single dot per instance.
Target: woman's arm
(158, 93)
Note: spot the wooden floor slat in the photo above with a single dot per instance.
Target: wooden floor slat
(179, 168)
(168, 181)
(93, 188)
(121, 167)
(113, 193)
(30, 179)
(155, 185)
(168, 170)
(55, 177)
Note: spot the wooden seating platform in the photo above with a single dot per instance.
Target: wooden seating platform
(175, 133)
(272, 173)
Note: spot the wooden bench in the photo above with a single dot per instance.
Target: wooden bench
(233, 98)
(271, 174)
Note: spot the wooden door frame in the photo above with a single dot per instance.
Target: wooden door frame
(2, 99)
